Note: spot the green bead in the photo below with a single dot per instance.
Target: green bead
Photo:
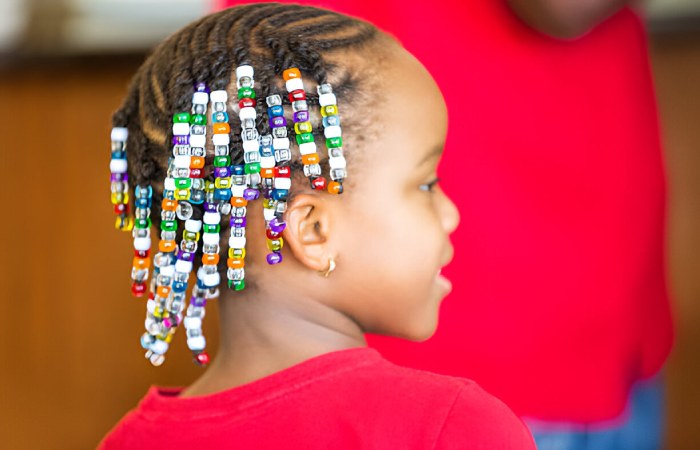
(183, 117)
(222, 161)
(252, 168)
(246, 92)
(168, 225)
(142, 223)
(199, 119)
(237, 285)
(183, 183)
(305, 138)
(209, 228)
(334, 142)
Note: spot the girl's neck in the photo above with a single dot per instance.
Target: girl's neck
(260, 337)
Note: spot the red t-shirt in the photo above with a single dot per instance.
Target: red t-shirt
(349, 399)
(553, 158)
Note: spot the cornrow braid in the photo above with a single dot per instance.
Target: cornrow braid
(269, 39)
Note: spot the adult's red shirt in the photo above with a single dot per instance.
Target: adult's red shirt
(554, 160)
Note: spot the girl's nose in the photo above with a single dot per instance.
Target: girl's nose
(449, 213)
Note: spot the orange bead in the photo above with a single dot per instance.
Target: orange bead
(163, 291)
(169, 205)
(334, 187)
(267, 173)
(311, 158)
(291, 73)
(222, 128)
(197, 162)
(141, 263)
(238, 202)
(167, 246)
(235, 263)
(211, 259)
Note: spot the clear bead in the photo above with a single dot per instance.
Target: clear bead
(274, 100)
(324, 89)
(184, 210)
(212, 249)
(312, 170)
(219, 106)
(248, 124)
(221, 150)
(249, 134)
(283, 155)
(239, 211)
(168, 235)
(235, 274)
(224, 208)
(199, 108)
(279, 132)
(251, 157)
(198, 151)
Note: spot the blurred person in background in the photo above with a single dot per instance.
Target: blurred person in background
(560, 304)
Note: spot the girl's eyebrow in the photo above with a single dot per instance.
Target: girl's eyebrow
(435, 152)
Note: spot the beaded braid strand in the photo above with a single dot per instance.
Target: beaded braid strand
(143, 198)
(333, 134)
(119, 179)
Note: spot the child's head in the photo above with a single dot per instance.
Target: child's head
(372, 254)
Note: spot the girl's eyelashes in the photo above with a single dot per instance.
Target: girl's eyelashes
(428, 187)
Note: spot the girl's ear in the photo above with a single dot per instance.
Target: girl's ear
(309, 223)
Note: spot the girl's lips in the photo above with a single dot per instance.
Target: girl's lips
(444, 283)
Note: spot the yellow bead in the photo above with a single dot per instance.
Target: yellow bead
(222, 183)
(124, 224)
(120, 198)
(329, 110)
(303, 127)
(275, 245)
(236, 253)
(182, 194)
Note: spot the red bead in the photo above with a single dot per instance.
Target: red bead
(121, 208)
(297, 95)
(196, 173)
(138, 289)
(319, 183)
(142, 253)
(247, 103)
(151, 295)
(202, 358)
(283, 172)
(272, 235)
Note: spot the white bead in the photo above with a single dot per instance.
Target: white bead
(119, 134)
(294, 84)
(269, 214)
(182, 161)
(280, 143)
(193, 323)
(151, 306)
(210, 238)
(283, 183)
(247, 113)
(198, 140)
(117, 166)
(193, 225)
(196, 343)
(236, 242)
(169, 183)
(181, 129)
(218, 96)
(183, 266)
(251, 146)
(327, 99)
(211, 279)
(332, 131)
(142, 243)
(237, 190)
(212, 218)
(307, 148)
(221, 139)
(159, 347)
(337, 162)
(244, 71)
(200, 98)
(267, 162)
(168, 271)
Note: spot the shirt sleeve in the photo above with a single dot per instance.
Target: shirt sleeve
(479, 421)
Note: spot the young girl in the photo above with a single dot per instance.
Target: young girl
(248, 115)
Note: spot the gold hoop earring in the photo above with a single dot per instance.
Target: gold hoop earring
(331, 267)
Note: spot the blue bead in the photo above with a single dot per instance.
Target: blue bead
(238, 170)
(330, 121)
(119, 155)
(276, 110)
(220, 116)
(222, 194)
(280, 194)
(200, 284)
(143, 202)
(179, 286)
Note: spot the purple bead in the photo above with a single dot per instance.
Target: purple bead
(198, 301)
(301, 116)
(210, 207)
(251, 194)
(238, 222)
(277, 226)
(181, 140)
(201, 87)
(119, 177)
(185, 256)
(222, 172)
(278, 121)
(274, 258)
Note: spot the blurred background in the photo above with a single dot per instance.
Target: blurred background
(70, 328)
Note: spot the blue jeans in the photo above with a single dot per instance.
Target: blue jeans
(643, 429)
